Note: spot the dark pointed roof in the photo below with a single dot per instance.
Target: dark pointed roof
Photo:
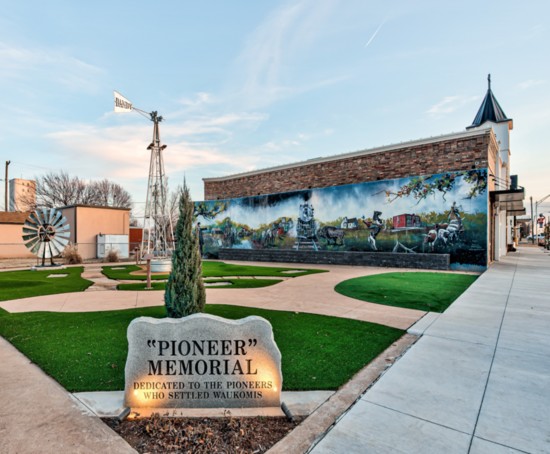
(489, 110)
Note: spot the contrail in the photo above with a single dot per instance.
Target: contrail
(375, 33)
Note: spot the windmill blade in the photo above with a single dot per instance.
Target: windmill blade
(30, 245)
(62, 228)
(51, 216)
(43, 216)
(29, 231)
(34, 219)
(37, 249)
(30, 226)
(55, 248)
(59, 220)
(30, 236)
(61, 242)
(47, 251)
(56, 217)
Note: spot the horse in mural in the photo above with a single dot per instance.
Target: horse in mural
(375, 227)
(333, 235)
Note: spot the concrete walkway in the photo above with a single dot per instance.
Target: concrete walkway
(38, 415)
(478, 381)
(313, 293)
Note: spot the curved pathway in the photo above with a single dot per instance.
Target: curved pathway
(313, 293)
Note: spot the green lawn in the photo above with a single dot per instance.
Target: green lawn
(231, 283)
(87, 351)
(210, 269)
(23, 284)
(425, 291)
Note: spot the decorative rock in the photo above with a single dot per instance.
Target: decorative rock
(202, 361)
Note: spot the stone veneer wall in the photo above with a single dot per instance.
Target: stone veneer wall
(459, 153)
(384, 259)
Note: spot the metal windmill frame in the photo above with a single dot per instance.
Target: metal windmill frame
(158, 238)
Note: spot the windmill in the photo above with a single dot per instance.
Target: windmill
(157, 238)
(46, 233)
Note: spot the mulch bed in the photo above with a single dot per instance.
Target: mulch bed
(202, 435)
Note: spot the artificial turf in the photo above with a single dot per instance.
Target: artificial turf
(231, 283)
(87, 351)
(24, 284)
(209, 269)
(425, 291)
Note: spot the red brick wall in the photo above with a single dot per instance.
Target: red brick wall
(460, 153)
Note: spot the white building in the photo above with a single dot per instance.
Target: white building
(22, 194)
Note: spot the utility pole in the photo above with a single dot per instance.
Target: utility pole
(6, 187)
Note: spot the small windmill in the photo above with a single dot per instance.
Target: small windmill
(157, 225)
(46, 233)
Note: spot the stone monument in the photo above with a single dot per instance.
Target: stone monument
(202, 361)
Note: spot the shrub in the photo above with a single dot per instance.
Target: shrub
(184, 294)
(71, 255)
(112, 256)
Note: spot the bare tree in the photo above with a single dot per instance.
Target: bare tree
(60, 189)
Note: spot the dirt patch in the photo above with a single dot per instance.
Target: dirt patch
(202, 435)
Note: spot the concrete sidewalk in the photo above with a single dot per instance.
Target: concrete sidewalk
(478, 381)
(38, 415)
(313, 293)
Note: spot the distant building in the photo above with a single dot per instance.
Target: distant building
(11, 230)
(22, 194)
(90, 223)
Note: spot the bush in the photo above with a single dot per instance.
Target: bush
(112, 256)
(71, 255)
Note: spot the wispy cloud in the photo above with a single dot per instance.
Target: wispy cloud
(275, 44)
(450, 104)
(23, 64)
(120, 151)
(530, 83)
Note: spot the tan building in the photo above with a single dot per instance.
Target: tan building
(22, 194)
(88, 226)
(87, 222)
(11, 231)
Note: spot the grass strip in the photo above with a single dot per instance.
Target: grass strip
(209, 269)
(27, 283)
(87, 351)
(231, 283)
(425, 291)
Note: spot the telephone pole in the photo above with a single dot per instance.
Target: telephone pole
(6, 187)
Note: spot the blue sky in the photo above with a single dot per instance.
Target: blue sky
(246, 85)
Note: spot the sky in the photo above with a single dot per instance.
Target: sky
(246, 85)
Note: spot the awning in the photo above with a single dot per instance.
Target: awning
(510, 200)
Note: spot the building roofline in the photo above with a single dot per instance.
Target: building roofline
(94, 206)
(455, 135)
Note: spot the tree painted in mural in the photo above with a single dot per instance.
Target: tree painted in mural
(442, 213)
(425, 186)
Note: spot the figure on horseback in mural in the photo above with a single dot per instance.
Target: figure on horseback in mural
(446, 234)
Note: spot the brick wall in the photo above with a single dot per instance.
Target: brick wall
(462, 151)
(384, 259)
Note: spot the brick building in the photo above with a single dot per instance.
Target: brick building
(477, 159)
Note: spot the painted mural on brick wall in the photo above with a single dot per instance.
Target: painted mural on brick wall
(443, 213)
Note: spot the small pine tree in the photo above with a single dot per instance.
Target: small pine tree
(185, 293)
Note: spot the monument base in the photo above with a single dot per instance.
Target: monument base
(161, 266)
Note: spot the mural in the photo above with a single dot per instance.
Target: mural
(443, 213)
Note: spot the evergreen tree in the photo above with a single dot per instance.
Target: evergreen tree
(185, 293)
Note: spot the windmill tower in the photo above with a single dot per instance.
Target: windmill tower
(157, 223)
(157, 238)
